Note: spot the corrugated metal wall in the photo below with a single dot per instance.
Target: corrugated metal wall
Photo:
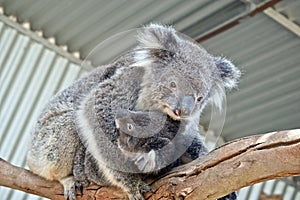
(82, 25)
(30, 74)
(282, 189)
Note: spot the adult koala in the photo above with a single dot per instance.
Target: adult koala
(166, 73)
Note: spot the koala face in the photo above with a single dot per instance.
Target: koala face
(181, 77)
(179, 87)
(176, 94)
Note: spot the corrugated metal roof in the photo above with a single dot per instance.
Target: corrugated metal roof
(86, 25)
(33, 69)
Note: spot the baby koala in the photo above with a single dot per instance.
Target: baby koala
(152, 140)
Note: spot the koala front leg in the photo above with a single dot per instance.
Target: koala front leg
(132, 184)
(92, 171)
(197, 147)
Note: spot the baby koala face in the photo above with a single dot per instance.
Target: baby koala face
(128, 143)
(140, 131)
(127, 129)
(133, 129)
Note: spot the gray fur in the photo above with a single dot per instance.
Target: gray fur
(165, 73)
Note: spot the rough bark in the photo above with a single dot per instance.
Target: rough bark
(237, 164)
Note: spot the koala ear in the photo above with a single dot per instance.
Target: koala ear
(229, 74)
(156, 42)
(157, 36)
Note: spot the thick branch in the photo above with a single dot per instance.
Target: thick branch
(237, 164)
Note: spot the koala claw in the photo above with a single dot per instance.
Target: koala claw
(146, 162)
(144, 187)
(137, 194)
(70, 186)
(79, 186)
(136, 197)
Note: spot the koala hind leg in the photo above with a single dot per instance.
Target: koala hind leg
(79, 167)
(53, 148)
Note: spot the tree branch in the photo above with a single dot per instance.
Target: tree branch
(237, 164)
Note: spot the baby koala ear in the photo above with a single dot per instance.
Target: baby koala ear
(229, 74)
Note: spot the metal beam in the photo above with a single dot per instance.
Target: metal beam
(255, 9)
(284, 21)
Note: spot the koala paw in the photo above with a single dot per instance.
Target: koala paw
(144, 187)
(138, 194)
(70, 186)
(136, 197)
(146, 161)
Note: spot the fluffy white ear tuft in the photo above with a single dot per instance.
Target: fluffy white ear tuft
(229, 74)
(157, 36)
(156, 42)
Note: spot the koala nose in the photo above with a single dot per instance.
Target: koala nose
(186, 106)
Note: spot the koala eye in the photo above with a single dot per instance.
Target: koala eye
(173, 85)
(199, 99)
(130, 127)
